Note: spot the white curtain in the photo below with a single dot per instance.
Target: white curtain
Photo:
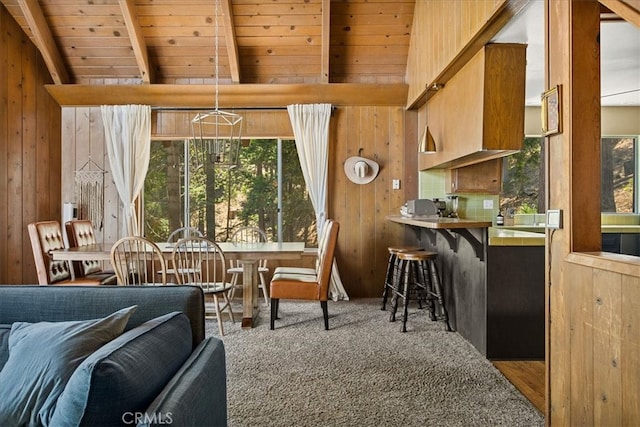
(311, 131)
(127, 131)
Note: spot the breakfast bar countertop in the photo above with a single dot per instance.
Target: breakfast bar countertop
(438, 222)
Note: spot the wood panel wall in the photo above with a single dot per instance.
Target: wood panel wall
(593, 326)
(361, 209)
(596, 372)
(83, 145)
(29, 150)
(440, 32)
(270, 123)
(378, 133)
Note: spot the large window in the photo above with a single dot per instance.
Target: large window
(266, 189)
(523, 180)
(523, 177)
(619, 166)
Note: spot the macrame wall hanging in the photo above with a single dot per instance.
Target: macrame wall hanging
(90, 193)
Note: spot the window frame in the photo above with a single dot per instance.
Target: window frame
(185, 173)
(636, 184)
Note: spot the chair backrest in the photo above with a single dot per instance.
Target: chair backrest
(325, 257)
(80, 232)
(138, 261)
(248, 235)
(182, 232)
(199, 261)
(324, 234)
(46, 236)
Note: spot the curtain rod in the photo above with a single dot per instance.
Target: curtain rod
(206, 109)
(333, 108)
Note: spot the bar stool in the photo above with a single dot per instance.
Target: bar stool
(419, 273)
(393, 272)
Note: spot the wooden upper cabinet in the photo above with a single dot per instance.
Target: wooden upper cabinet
(479, 114)
(485, 177)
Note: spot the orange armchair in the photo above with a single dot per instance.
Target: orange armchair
(288, 284)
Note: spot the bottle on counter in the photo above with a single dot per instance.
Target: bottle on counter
(500, 218)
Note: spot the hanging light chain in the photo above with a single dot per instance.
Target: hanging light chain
(217, 49)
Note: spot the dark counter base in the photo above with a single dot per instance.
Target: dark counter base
(515, 303)
(621, 243)
(495, 301)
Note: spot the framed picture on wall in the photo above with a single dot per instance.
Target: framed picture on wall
(552, 111)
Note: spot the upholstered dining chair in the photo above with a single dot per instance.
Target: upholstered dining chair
(248, 235)
(138, 261)
(200, 262)
(309, 270)
(305, 285)
(80, 232)
(45, 237)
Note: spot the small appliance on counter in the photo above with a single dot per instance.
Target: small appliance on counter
(454, 206)
(419, 207)
(441, 206)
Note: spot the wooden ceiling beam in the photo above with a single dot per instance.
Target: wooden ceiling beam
(628, 12)
(230, 40)
(326, 40)
(44, 40)
(230, 96)
(137, 39)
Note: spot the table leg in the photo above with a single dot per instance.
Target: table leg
(249, 293)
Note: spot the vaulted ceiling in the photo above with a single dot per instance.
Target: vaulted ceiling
(258, 42)
(245, 43)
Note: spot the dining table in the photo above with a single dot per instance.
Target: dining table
(248, 254)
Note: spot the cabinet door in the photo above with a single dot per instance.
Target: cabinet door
(485, 177)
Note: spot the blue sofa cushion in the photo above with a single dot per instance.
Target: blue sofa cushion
(4, 344)
(42, 357)
(190, 388)
(119, 381)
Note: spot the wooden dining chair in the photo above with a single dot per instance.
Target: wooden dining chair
(80, 233)
(248, 235)
(306, 286)
(182, 232)
(46, 236)
(200, 262)
(138, 261)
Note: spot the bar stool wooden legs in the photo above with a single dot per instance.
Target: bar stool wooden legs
(419, 275)
(392, 278)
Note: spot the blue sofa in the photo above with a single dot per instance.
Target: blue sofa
(159, 370)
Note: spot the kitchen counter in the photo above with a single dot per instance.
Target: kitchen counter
(438, 222)
(617, 238)
(606, 228)
(620, 228)
(474, 232)
(511, 236)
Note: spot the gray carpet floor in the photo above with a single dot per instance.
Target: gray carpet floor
(362, 372)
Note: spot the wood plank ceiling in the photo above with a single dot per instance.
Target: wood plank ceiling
(100, 42)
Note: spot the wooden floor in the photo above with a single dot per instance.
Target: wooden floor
(526, 376)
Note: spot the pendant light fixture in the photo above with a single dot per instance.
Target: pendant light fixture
(427, 144)
(218, 133)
